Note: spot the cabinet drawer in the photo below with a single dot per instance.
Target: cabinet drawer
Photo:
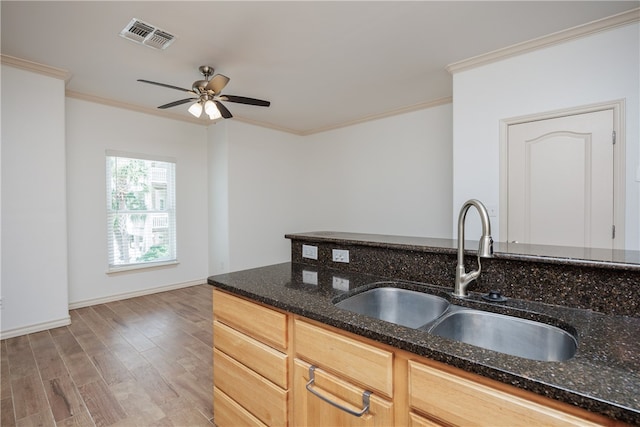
(460, 401)
(311, 410)
(368, 366)
(261, 358)
(416, 420)
(230, 414)
(265, 325)
(256, 394)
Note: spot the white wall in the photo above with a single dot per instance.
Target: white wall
(218, 197)
(91, 130)
(391, 176)
(34, 221)
(255, 191)
(598, 68)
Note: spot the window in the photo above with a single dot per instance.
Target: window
(141, 211)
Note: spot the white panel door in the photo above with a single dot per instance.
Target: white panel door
(561, 181)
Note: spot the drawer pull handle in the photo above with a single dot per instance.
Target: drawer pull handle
(365, 396)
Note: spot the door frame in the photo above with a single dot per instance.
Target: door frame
(619, 194)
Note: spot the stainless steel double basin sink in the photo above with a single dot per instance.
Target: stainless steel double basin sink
(436, 315)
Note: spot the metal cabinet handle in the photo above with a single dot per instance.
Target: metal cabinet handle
(365, 396)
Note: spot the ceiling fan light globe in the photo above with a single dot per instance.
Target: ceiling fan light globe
(196, 109)
(211, 110)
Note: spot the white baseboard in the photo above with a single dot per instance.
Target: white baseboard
(127, 295)
(37, 327)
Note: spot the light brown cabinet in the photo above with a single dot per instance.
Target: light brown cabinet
(262, 376)
(250, 363)
(312, 410)
(348, 357)
(339, 380)
(451, 399)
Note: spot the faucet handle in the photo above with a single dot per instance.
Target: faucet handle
(463, 279)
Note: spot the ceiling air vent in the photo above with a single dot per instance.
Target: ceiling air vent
(146, 34)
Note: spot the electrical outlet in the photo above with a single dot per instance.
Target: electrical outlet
(310, 277)
(309, 251)
(340, 255)
(340, 283)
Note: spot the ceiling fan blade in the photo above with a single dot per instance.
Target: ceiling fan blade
(245, 100)
(166, 85)
(223, 110)
(175, 103)
(217, 83)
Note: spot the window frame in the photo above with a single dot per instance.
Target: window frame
(170, 205)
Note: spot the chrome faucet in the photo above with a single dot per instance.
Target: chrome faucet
(485, 247)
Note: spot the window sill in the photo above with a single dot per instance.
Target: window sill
(145, 266)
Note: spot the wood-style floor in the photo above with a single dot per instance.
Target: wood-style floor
(144, 361)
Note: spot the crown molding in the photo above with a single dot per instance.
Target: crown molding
(268, 125)
(403, 110)
(579, 31)
(193, 120)
(421, 106)
(132, 107)
(57, 73)
(167, 114)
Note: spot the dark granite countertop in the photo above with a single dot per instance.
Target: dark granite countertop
(603, 376)
(587, 257)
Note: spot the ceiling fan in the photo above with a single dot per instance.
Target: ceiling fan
(206, 95)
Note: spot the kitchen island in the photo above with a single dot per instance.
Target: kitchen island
(603, 377)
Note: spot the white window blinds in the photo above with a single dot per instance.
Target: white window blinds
(141, 211)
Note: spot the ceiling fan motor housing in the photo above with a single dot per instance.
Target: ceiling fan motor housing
(199, 86)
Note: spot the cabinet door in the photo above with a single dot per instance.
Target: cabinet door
(460, 401)
(311, 410)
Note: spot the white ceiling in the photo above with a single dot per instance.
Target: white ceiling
(322, 64)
